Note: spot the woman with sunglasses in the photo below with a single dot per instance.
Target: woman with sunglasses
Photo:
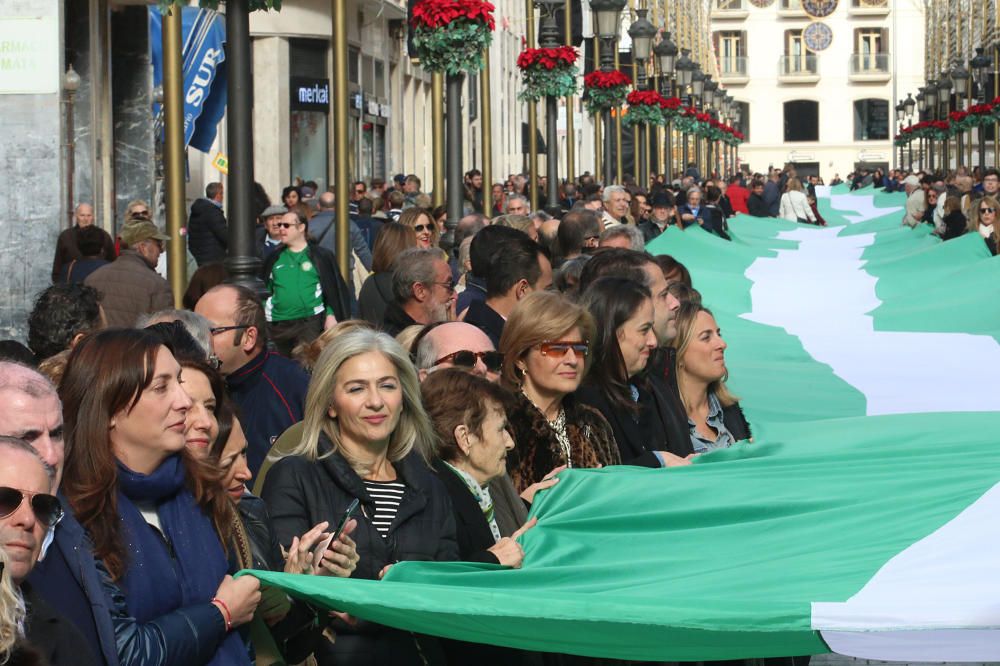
(637, 409)
(546, 344)
(308, 293)
(422, 224)
(982, 220)
(160, 523)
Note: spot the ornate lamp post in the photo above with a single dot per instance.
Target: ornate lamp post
(944, 101)
(666, 55)
(685, 73)
(908, 105)
(607, 15)
(549, 37)
(641, 33)
(980, 65)
(959, 76)
(697, 90)
(900, 114)
(931, 98)
(70, 83)
(708, 99)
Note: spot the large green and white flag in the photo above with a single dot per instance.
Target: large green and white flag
(863, 518)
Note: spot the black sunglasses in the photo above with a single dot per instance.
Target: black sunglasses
(47, 508)
(423, 227)
(223, 329)
(493, 360)
(987, 210)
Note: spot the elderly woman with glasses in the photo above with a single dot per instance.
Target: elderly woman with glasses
(546, 347)
(982, 220)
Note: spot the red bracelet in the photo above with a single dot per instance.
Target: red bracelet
(226, 615)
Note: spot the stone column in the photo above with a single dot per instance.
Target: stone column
(271, 120)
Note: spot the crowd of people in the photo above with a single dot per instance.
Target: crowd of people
(334, 427)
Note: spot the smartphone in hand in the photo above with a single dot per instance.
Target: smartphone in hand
(324, 545)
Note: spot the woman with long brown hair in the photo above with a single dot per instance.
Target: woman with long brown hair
(157, 517)
(376, 293)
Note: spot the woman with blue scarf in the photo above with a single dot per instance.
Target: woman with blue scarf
(159, 520)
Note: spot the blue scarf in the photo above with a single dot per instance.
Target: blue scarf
(156, 583)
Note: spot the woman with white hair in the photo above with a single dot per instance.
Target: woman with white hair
(366, 439)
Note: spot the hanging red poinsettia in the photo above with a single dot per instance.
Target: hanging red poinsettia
(605, 90)
(547, 72)
(450, 35)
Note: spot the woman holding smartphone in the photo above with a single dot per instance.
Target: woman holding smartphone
(366, 437)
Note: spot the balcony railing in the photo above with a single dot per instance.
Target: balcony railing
(733, 67)
(869, 63)
(730, 9)
(806, 66)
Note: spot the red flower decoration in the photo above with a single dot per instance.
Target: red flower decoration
(981, 109)
(439, 13)
(612, 79)
(548, 58)
(645, 98)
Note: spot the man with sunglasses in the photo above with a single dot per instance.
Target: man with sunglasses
(65, 574)
(423, 288)
(28, 512)
(457, 344)
(130, 285)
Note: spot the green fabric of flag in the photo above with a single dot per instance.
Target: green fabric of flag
(729, 557)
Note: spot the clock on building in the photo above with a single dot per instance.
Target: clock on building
(762, 3)
(819, 8)
(817, 36)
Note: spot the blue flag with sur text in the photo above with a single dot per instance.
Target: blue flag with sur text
(203, 55)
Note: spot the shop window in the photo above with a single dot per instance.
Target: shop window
(871, 120)
(801, 120)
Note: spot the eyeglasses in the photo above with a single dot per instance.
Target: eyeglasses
(560, 347)
(286, 225)
(423, 227)
(448, 286)
(359, 191)
(223, 329)
(988, 210)
(46, 508)
(493, 360)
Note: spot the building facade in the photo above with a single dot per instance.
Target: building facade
(818, 80)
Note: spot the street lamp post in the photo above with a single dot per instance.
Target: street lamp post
(708, 99)
(959, 76)
(944, 101)
(685, 73)
(908, 105)
(980, 72)
(666, 55)
(549, 37)
(930, 97)
(641, 33)
(900, 114)
(607, 15)
(71, 83)
(697, 90)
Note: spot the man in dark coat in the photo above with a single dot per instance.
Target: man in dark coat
(68, 244)
(269, 388)
(23, 535)
(208, 235)
(423, 289)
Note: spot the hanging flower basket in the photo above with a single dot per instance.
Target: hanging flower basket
(605, 90)
(450, 35)
(671, 108)
(687, 121)
(548, 72)
(644, 106)
(976, 115)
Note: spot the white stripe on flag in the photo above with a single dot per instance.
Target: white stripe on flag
(821, 293)
(938, 600)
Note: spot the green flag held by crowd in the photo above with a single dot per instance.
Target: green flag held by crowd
(861, 520)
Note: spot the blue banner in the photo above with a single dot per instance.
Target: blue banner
(204, 34)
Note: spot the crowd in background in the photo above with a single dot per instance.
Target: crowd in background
(333, 427)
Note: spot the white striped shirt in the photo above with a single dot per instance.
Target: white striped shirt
(387, 495)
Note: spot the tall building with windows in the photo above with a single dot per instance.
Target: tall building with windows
(818, 80)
